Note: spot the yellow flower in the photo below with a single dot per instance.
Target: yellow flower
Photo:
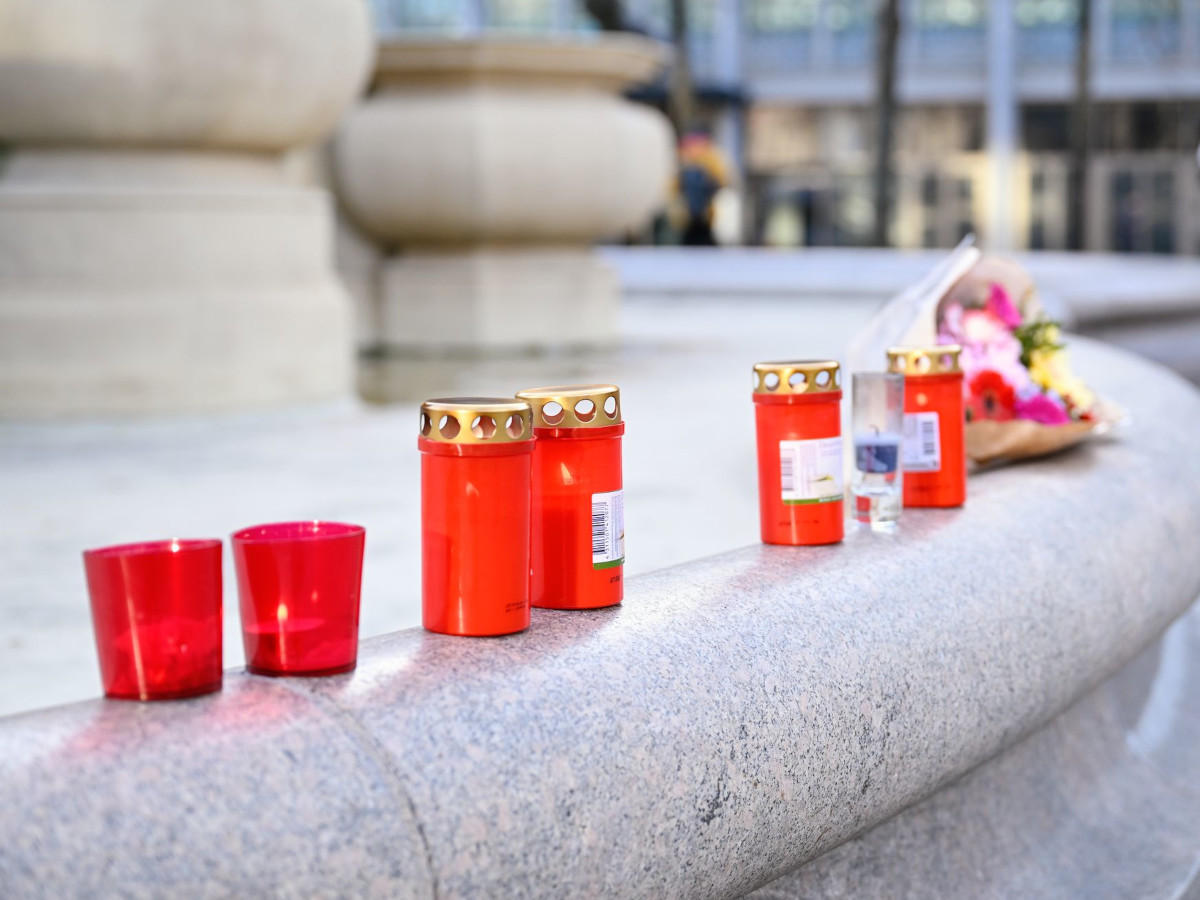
(1051, 370)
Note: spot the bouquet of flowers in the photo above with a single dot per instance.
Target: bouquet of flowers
(1021, 396)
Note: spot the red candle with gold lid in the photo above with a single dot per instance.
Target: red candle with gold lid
(797, 407)
(578, 505)
(933, 452)
(475, 468)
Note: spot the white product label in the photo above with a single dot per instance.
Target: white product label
(608, 529)
(811, 471)
(922, 442)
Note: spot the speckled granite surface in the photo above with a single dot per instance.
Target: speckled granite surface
(257, 791)
(1103, 803)
(735, 718)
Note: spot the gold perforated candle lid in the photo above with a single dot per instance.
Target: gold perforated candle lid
(807, 376)
(476, 420)
(574, 405)
(939, 360)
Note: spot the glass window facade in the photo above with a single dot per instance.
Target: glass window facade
(1145, 29)
(780, 16)
(1048, 30)
(948, 33)
(808, 156)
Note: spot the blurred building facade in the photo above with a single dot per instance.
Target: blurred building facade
(985, 92)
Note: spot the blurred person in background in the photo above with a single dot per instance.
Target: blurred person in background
(703, 172)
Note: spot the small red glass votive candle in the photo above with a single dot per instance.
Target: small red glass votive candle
(156, 611)
(476, 455)
(798, 421)
(577, 515)
(933, 452)
(298, 591)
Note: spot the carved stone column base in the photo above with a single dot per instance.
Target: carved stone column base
(492, 299)
(165, 282)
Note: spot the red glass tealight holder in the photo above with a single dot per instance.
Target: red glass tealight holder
(156, 611)
(298, 587)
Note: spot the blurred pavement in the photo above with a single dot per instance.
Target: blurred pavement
(684, 371)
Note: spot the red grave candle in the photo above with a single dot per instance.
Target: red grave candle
(798, 418)
(475, 469)
(299, 587)
(156, 612)
(933, 452)
(577, 555)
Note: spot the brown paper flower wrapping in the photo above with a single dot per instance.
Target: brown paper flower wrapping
(990, 441)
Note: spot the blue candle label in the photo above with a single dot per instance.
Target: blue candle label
(877, 454)
(608, 529)
(811, 471)
(922, 442)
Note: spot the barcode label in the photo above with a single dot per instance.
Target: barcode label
(922, 442)
(810, 471)
(608, 529)
(787, 471)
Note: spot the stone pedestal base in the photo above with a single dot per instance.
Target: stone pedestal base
(494, 164)
(165, 282)
(358, 267)
(497, 299)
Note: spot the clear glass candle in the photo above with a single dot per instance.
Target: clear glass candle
(878, 428)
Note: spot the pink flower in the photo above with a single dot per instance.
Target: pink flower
(1000, 306)
(988, 343)
(1042, 408)
(950, 330)
(1001, 354)
(981, 326)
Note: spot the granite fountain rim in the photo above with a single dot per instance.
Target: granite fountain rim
(745, 713)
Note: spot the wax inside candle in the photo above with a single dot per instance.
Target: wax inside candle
(877, 452)
(287, 627)
(305, 644)
(165, 658)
